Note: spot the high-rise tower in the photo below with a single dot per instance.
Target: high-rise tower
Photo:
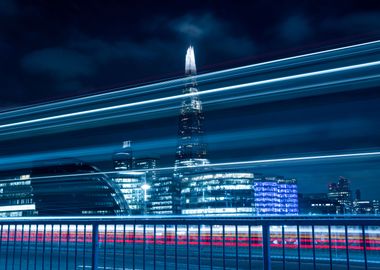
(191, 150)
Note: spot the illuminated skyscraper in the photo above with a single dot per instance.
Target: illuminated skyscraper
(191, 149)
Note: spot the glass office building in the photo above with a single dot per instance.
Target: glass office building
(131, 184)
(16, 197)
(276, 196)
(75, 189)
(341, 193)
(59, 189)
(148, 165)
(164, 199)
(218, 192)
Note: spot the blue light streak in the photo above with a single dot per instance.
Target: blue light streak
(325, 54)
(201, 93)
(236, 164)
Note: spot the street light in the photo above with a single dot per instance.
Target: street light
(145, 187)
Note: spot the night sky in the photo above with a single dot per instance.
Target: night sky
(56, 49)
(51, 50)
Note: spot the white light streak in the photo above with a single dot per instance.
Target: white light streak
(216, 165)
(159, 85)
(202, 93)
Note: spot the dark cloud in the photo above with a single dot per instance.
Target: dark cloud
(217, 35)
(8, 8)
(86, 61)
(295, 29)
(103, 51)
(59, 63)
(52, 46)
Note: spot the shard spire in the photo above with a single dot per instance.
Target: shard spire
(191, 150)
(190, 67)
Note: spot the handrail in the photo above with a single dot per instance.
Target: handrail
(243, 239)
(177, 219)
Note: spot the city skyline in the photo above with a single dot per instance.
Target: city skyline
(74, 49)
(259, 114)
(190, 134)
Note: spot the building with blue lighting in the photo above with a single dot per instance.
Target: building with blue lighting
(276, 196)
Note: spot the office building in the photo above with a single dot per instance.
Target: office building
(16, 197)
(59, 188)
(275, 196)
(341, 193)
(218, 192)
(148, 165)
(164, 198)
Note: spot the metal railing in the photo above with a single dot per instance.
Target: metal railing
(174, 242)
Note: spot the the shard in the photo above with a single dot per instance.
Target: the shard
(191, 150)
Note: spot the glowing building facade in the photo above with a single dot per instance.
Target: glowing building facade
(16, 197)
(148, 165)
(276, 196)
(164, 197)
(218, 192)
(132, 183)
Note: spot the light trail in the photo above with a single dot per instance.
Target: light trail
(221, 236)
(201, 93)
(179, 82)
(213, 165)
(154, 113)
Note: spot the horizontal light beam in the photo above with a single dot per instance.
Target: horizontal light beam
(134, 173)
(201, 93)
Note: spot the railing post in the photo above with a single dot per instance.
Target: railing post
(95, 246)
(266, 246)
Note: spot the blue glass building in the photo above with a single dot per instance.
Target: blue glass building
(276, 196)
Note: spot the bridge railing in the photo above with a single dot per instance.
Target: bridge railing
(178, 242)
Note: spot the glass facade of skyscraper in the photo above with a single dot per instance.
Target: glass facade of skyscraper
(218, 192)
